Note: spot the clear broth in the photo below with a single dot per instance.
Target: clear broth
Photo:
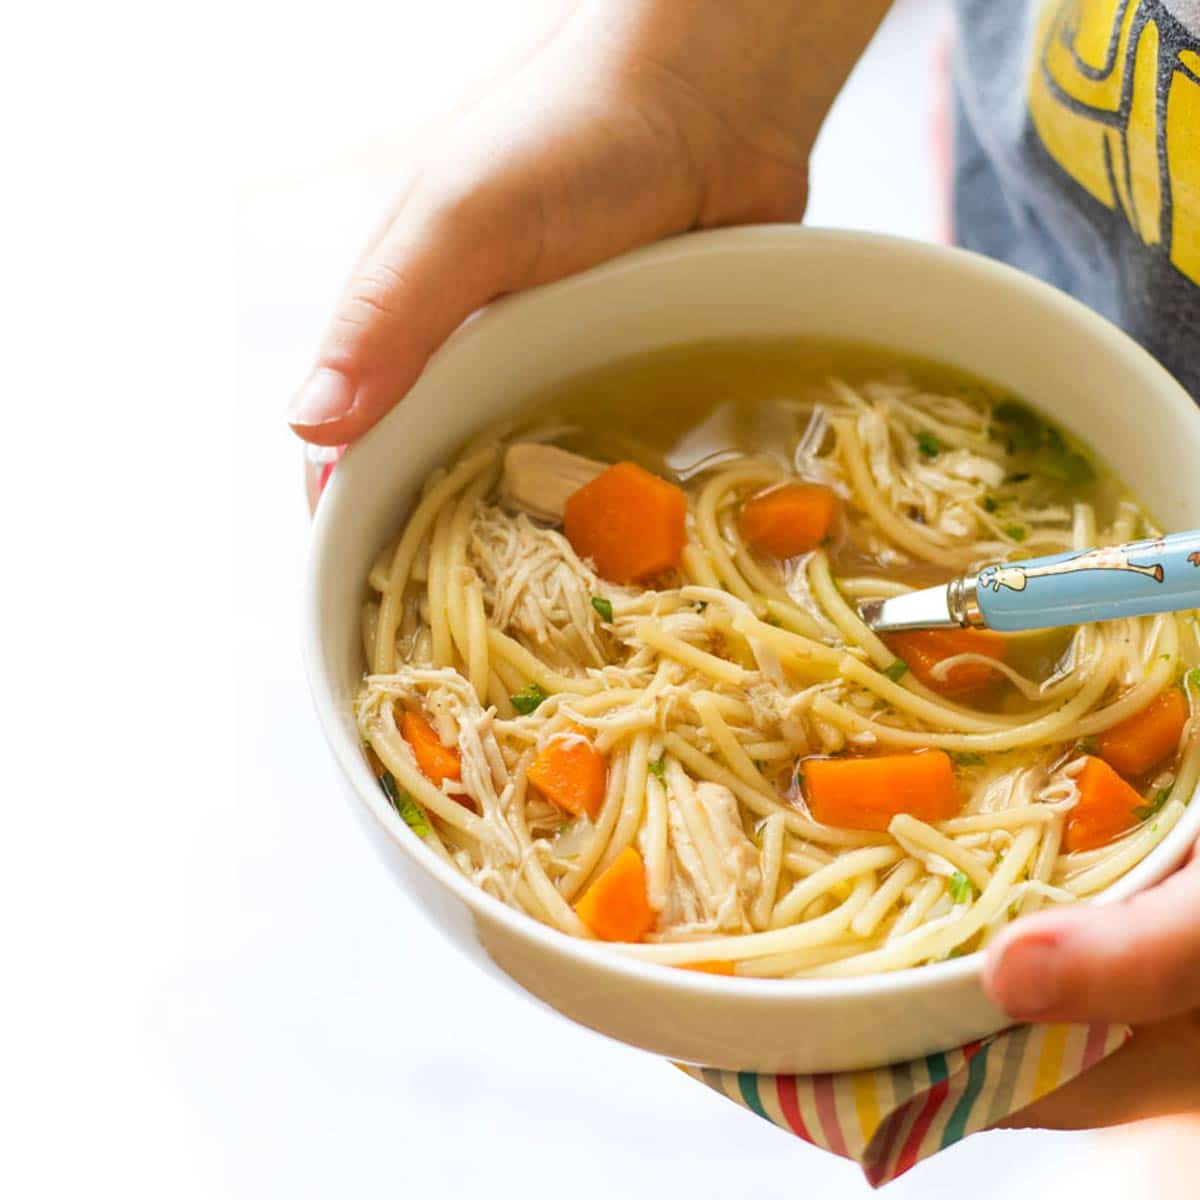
(683, 410)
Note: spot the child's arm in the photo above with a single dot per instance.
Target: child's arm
(637, 119)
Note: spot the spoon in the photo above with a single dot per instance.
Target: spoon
(1133, 580)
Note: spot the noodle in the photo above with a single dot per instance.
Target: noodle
(848, 866)
(771, 867)
(654, 844)
(584, 865)
(406, 550)
(632, 803)
(710, 535)
(888, 893)
(924, 842)
(698, 698)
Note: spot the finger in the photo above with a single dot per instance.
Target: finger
(1137, 960)
(442, 256)
(528, 191)
(457, 245)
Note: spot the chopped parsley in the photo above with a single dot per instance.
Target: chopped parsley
(658, 768)
(1067, 466)
(991, 504)
(412, 813)
(1154, 805)
(961, 888)
(1192, 678)
(1018, 477)
(1023, 428)
(929, 444)
(1023, 432)
(391, 789)
(1087, 745)
(896, 670)
(603, 607)
(969, 759)
(528, 698)
(1018, 533)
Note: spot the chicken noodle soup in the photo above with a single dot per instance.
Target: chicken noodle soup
(616, 674)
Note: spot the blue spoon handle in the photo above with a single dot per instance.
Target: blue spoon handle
(1162, 575)
(1133, 580)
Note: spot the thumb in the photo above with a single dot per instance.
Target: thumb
(443, 255)
(1135, 961)
(556, 176)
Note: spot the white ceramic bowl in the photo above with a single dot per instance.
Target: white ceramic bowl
(944, 304)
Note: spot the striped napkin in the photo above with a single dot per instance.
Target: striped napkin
(889, 1119)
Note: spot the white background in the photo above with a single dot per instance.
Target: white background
(210, 987)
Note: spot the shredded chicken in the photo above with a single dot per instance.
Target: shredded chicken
(538, 478)
(714, 865)
(536, 588)
(455, 713)
(934, 460)
(689, 685)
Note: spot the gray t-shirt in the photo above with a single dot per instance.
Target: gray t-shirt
(1077, 156)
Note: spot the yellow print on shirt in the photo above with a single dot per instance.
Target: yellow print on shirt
(1114, 94)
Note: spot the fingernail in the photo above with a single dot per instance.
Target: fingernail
(1025, 981)
(327, 395)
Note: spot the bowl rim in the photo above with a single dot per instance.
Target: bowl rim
(344, 483)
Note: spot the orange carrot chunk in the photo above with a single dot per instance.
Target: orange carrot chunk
(709, 966)
(615, 908)
(923, 651)
(628, 522)
(437, 762)
(1105, 809)
(1139, 743)
(866, 793)
(788, 520)
(570, 772)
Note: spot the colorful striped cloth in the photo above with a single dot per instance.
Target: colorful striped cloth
(890, 1118)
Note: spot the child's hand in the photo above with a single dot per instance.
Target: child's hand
(638, 119)
(1137, 961)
